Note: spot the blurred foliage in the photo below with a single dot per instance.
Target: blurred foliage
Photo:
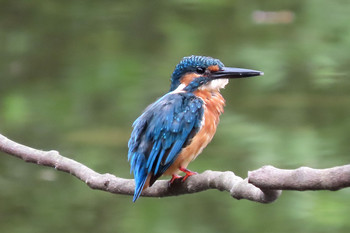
(75, 74)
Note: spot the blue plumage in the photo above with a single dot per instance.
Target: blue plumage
(170, 124)
(190, 64)
(160, 133)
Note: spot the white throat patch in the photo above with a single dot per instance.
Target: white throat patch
(214, 85)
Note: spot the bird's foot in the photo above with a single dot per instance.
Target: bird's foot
(173, 178)
(187, 172)
(183, 178)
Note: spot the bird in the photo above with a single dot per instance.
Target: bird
(172, 131)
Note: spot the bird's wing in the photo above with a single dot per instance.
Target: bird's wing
(160, 133)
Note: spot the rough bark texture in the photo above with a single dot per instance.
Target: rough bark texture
(303, 178)
(263, 185)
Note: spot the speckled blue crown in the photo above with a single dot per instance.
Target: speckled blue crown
(190, 64)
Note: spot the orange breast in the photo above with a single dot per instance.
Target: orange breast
(213, 108)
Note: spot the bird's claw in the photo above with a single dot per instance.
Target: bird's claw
(173, 178)
(188, 174)
(183, 178)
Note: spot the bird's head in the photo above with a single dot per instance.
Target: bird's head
(199, 72)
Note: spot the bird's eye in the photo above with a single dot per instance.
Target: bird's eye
(200, 70)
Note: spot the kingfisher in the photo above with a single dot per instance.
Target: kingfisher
(172, 131)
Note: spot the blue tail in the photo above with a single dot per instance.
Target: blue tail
(140, 181)
(138, 165)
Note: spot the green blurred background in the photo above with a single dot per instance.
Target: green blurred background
(75, 74)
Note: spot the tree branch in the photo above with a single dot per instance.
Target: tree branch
(303, 178)
(263, 185)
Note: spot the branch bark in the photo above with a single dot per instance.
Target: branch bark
(303, 178)
(263, 185)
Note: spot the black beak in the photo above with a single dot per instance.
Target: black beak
(229, 72)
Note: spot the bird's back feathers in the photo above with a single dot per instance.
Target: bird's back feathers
(160, 133)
